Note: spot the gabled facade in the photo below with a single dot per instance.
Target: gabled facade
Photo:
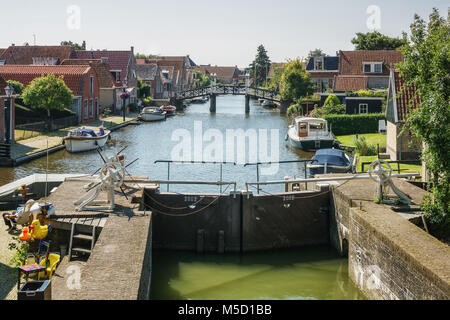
(123, 70)
(81, 80)
(108, 89)
(401, 100)
(323, 70)
(150, 73)
(226, 75)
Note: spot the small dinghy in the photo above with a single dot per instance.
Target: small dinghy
(152, 114)
(169, 110)
(329, 161)
(80, 140)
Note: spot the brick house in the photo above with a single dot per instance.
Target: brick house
(323, 70)
(401, 144)
(108, 89)
(122, 67)
(365, 69)
(150, 73)
(81, 80)
(227, 75)
(35, 55)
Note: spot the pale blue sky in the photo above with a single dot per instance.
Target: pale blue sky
(225, 32)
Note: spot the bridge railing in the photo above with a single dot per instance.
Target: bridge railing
(228, 89)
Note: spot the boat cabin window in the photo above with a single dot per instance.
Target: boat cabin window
(317, 127)
(302, 129)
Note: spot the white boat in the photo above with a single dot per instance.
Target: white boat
(80, 140)
(268, 104)
(310, 134)
(152, 114)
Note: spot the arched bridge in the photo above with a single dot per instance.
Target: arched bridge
(215, 90)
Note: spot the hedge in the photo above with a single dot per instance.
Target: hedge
(344, 124)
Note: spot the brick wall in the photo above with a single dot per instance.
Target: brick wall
(86, 95)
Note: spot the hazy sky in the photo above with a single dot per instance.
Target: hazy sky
(225, 32)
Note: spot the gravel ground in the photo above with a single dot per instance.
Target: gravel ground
(8, 272)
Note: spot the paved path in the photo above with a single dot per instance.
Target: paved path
(8, 272)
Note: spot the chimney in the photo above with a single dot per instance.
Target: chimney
(12, 44)
(84, 44)
(132, 50)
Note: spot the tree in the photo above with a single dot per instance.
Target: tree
(48, 93)
(274, 83)
(377, 41)
(143, 89)
(426, 65)
(295, 81)
(316, 52)
(18, 86)
(332, 100)
(260, 67)
(74, 45)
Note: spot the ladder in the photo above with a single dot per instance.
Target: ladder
(81, 243)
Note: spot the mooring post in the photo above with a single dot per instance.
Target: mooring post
(247, 103)
(212, 103)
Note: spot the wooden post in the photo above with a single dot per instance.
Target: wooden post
(212, 103)
(247, 103)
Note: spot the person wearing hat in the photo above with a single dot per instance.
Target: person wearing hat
(22, 215)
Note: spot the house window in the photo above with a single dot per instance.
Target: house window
(116, 75)
(91, 85)
(315, 82)
(324, 84)
(85, 109)
(373, 67)
(91, 108)
(96, 108)
(318, 63)
(2, 62)
(363, 108)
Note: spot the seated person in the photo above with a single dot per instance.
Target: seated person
(22, 216)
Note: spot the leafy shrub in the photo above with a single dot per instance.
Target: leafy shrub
(147, 101)
(363, 148)
(294, 110)
(329, 109)
(18, 87)
(133, 107)
(344, 124)
(332, 100)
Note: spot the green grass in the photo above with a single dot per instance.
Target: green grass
(372, 138)
(405, 168)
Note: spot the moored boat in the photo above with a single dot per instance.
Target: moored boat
(310, 134)
(170, 110)
(152, 114)
(80, 140)
(329, 161)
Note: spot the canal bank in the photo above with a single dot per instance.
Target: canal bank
(34, 148)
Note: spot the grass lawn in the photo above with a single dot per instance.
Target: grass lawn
(408, 168)
(372, 138)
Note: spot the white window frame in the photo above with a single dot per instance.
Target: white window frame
(117, 74)
(372, 67)
(367, 108)
(91, 84)
(319, 59)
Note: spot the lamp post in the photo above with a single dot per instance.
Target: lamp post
(9, 90)
(124, 97)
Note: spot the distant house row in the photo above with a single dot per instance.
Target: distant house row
(96, 78)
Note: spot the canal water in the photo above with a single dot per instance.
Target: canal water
(316, 273)
(309, 273)
(158, 141)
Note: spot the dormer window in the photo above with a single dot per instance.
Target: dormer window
(318, 63)
(373, 67)
(116, 75)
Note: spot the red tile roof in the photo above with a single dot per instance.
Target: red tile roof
(350, 83)
(351, 62)
(105, 78)
(26, 73)
(224, 73)
(24, 54)
(406, 97)
(118, 60)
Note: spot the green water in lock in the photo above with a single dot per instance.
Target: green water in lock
(316, 273)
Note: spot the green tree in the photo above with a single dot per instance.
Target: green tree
(74, 45)
(48, 93)
(260, 67)
(332, 100)
(274, 83)
(316, 52)
(427, 65)
(143, 89)
(18, 87)
(295, 81)
(203, 80)
(377, 41)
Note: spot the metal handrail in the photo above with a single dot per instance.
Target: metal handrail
(356, 177)
(210, 183)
